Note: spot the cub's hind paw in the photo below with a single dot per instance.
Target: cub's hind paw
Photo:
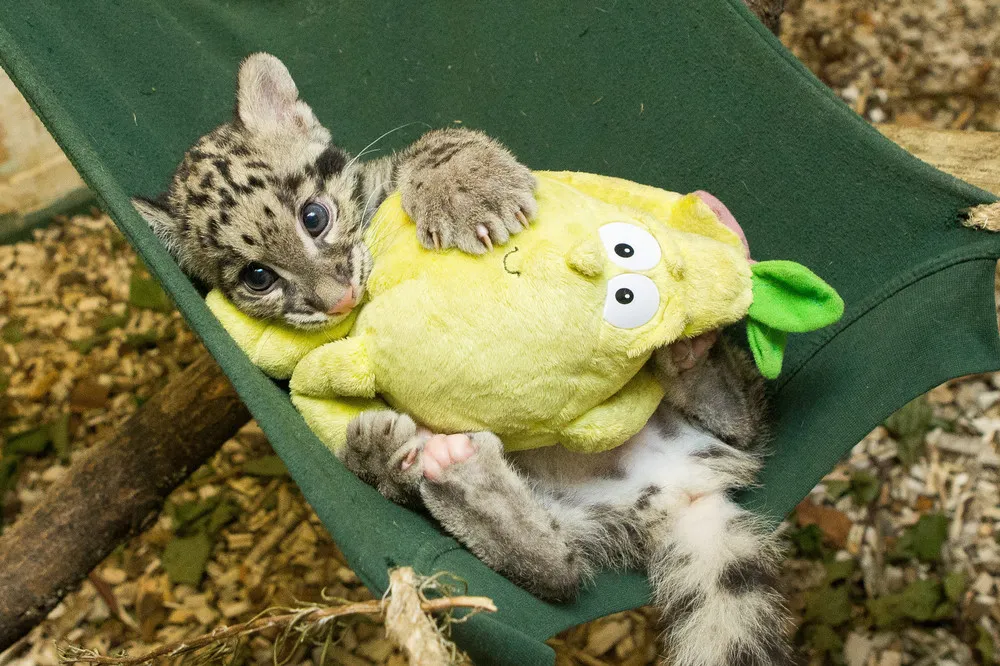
(447, 457)
(442, 451)
(381, 449)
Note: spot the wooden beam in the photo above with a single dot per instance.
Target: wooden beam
(972, 156)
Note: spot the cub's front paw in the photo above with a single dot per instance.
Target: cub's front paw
(465, 190)
(381, 449)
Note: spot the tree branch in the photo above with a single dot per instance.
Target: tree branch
(971, 156)
(768, 11)
(112, 492)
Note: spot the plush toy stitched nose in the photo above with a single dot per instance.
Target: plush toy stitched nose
(345, 304)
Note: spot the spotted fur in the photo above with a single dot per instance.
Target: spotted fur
(238, 196)
(549, 518)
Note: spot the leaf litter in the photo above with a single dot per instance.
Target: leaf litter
(894, 557)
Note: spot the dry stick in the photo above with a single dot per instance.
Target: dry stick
(108, 595)
(112, 492)
(407, 625)
(375, 608)
(273, 537)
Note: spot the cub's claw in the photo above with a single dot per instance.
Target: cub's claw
(381, 449)
(465, 190)
(484, 235)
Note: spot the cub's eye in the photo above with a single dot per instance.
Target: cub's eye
(258, 277)
(315, 218)
(632, 301)
(629, 246)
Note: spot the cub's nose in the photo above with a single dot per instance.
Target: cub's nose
(345, 304)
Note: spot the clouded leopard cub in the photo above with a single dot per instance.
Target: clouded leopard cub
(270, 211)
(267, 209)
(548, 518)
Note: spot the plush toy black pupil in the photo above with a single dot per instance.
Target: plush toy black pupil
(315, 218)
(258, 277)
(624, 250)
(624, 296)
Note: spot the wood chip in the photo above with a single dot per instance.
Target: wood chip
(834, 524)
(606, 635)
(88, 394)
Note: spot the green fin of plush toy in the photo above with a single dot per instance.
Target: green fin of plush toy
(790, 297)
(787, 298)
(768, 347)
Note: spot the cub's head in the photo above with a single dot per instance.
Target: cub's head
(267, 209)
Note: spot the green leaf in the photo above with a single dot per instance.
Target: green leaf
(923, 540)
(144, 340)
(184, 558)
(955, 584)
(8, 472)
(808, 542)
(223, 514)
(202, 473)
(13, 331)
(790, 297)
(145, 292)
(828, 605)
(944, 611)
(266, 466)
(908, 426)
(920, 601)
(836, 489)
(864, 488)
(985, 646)
(59, 434)
(188, 514)
(824, 642)
(768, 347)
(947, 426)
(30, 443)
(839, 570)
(207, 515)
(112, 321)
(84, 346)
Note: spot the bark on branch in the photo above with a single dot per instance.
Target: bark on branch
(112, 493)
(768, 11)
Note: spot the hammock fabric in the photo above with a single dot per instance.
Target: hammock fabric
(678, 94)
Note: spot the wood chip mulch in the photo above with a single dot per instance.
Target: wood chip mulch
(894, 557)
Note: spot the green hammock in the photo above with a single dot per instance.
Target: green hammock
(679, 94)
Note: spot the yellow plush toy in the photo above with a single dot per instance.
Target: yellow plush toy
(541, 341)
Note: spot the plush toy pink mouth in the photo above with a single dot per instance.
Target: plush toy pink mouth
(725, 217)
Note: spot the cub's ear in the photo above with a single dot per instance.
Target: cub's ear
(161, 220)
(267, 100)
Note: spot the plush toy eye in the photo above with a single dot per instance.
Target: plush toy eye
(258, 277)
(632, 300)
(315, 218)
(629, 246)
